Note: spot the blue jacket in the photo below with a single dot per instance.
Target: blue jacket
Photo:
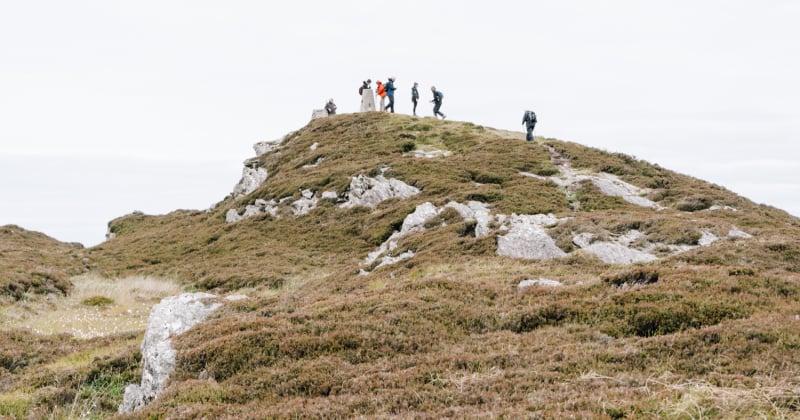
(389, 87)
(414, 93)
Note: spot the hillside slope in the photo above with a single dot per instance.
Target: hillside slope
(34, 264)
(413, 267)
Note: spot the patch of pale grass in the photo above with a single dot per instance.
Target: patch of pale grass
(132, 297)
(699, 399)
(85, 358)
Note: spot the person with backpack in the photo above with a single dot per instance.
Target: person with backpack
(415, 97)
(529, 119)
(437, 102)
(389, 88)
(364, 85)
(382, 93)
(330, 107)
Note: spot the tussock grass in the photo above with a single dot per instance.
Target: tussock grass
(126, 304)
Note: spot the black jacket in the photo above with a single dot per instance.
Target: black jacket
(437, 97)
(529, 118)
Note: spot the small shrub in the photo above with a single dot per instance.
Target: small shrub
(640, 276)
(547, 172)
(468, 228)
(98, 301)
(485, 197)
(487, 178)
(407, 146)
(693, 204)
(612, 169)
(741, 272)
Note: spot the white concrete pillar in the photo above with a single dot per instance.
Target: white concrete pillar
(367, 100)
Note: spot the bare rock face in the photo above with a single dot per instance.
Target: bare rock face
(617, 252)
(318, 113)
(738, 234)
(306, 203)
(267, 146)
(368, 192)
(414, 222)
(474, 211)
(527, 238)
(173, 316)
(232, 216)
(252, 177)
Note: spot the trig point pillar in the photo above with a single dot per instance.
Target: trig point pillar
(367, 100)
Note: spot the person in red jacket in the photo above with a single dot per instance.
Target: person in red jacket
(381, 91)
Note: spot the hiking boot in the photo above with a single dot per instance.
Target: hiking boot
(444, 116)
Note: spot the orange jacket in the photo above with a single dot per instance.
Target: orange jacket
(381, 90)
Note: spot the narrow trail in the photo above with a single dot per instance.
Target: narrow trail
(608, 184)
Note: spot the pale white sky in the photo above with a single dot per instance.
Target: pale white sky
(112, 106)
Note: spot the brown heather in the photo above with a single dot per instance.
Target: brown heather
(711, 333)
(33, 264)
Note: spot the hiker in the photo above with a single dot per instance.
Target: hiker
(437, 102)
(365, 85)
(530, 120)
(330, 107)
(381, 92)
(415, 97)
(389, 88)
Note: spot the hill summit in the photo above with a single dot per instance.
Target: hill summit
(397, 266)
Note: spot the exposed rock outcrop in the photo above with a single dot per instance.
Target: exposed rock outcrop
(618, 252)
(267, 146)
(253, 174)
(368, 192)
(527, 238)
(538, 282)
(173, 316)
(306, 203)
(430, 154)
(414, 222)
(252, 177)
(474, 211)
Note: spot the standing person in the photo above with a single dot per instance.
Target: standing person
(530, 120)
(415, 97)
(381, 92)
(365, 85)
(330, 107)
(389, 87)
(437, 102)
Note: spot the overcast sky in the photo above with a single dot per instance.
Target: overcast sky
(107, 106)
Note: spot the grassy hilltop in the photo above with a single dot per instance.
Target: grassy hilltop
(709, 332)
